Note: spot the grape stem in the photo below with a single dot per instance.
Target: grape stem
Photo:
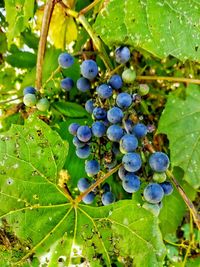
(48, 10)
(97, 183)
(181, 191)
(89, 7)
(169, 79)
(10, 100)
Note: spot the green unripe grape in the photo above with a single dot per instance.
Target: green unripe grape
(128, 76)
(153, 208)
(43, 104)
(143, 89)
(29, 100)
(159, 177)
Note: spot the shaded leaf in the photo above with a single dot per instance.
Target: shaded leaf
(22, 59)
(70, 109)
(180, 121)
(160, 27)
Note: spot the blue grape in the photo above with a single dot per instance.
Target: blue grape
(29, 90)
(43, 104)
(77, 142)
(114, 133)
(83, 184)
(84, 133)
(124, 100)
(104, 91)
(115, 115)
(83, 84)
(122, 54)
(122, 173)
(140, 130)
(89, 198)
(159, 162)
(65, 60)
(89, 106)
(167, 187)
(128, 125)
(83, 152)
(73, 127)
(67, 84)
(99, 113)
(98, 129)
(106, 187)
(89, 69)
(29, 100)
(128, 143)
(132, 162)
(116, 81)
(131, 183)
(92, 167)
(153, 193)
(108, 198)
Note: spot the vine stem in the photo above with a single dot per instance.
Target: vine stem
(10, 100)
(97, 183)
(169, 79)
(42, 43)
(181, 191)
(89, 7)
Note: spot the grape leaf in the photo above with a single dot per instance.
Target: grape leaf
(18, 13)
(160, 27)
(32, 204)
(180, 121)
(70, 109)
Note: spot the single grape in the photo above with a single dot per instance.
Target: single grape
(115, 115)
(132, 162)
(29, 90)
(153, 208)
(65, 60)
(108, 198)
(67, 84)
(124, 100)
(116, 81)
(114, 133)
(128, 76)
(143, 89)
(83, 152)
(83, 184)
(128, 143)
(84, 133)
(29, 100)
(73, 127)
(89, 69)
(99, 113)
(92, 167)
(140, 130)
(83, 84)
(89, 106)
(89, 198)
(77, 142)
(159, 162)
(98, 129)
(104, 91)
(106, 187)
(153, 193)
(122, 172)
(131, 183)
(136, 98)
(167, 188)
(159, 177)
(122, 54)
(43, 104)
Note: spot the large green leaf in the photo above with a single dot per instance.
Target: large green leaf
(70, 109)
(161, 27)
(40, 215)
(180, 121)
(18, 13)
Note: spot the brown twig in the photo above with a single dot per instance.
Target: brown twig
(97, 183)
(43, 39)
(181, 191)
(169, 79)
(89, 7)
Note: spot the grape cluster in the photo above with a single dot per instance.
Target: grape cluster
(30, 99)
(114, 137)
